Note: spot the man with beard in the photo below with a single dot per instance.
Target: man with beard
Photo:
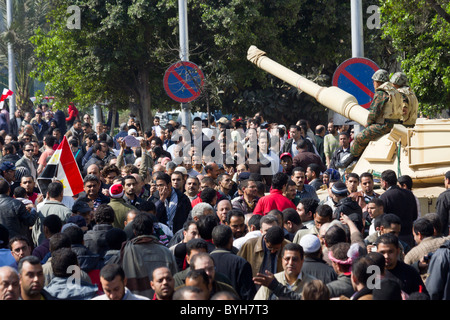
(32, 279)
(236, 221)
(192, 188)
(130, 197)
(303, 190)
(163, 284)
(249, 198)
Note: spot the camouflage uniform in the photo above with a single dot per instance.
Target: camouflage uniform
(410, 103)
(373, 129)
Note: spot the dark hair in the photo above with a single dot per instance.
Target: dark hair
(290, 214)
(196, 274)
(293, 247)
(75, 234)
(275, 235)
(205, 225)
(147, 206)
(208, 194)
(20, 192)
(353, 175)
(142, 225)
(59, 240)
(53, 222)
(324, 211)
(33, 260)
(279, 180)
(388, 238)
(62, 259)
(315, 168)
(49, 140)
(334, 235)
(110, 271)
(389, 218)
(104, 214)
(424, 226)
(377, 201)
(255, 221)
(360, 268)
(115, 237)
(159, 175)
(4, 187)
(110, 168)
(405, 180)
(366, 175)
(435, 221)
(340, 250)
(378, 260)
(19, 238)
(310, 204)
(389, 177)
(221, 235)
(197, 243)
(235, 213)
(55, 189)
(90, 178)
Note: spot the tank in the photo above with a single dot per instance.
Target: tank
(421, 151)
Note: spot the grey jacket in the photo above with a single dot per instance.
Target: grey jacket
(44, 210)
(65, 289)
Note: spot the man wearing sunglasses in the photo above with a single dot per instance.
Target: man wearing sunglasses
(28, 161)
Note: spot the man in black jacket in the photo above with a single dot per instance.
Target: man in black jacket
(400, 202)
(443, 205)
(344, 204)
(172, 206)
(14, 214)
(235, 267)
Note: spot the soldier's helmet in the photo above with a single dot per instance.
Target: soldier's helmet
(399, 78)
(381, 75)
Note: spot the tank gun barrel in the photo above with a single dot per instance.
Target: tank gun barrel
(333, 97)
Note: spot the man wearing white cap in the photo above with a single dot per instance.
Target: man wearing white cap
(314, 265)
(121, 208)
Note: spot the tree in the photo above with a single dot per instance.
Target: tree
(420, 32)
(123, 49)
(27, 16)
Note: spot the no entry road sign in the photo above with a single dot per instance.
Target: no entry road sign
(183, 81)
(355, 77)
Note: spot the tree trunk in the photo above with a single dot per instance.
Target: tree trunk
(144, 112)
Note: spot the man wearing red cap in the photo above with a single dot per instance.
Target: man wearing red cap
(121, 208)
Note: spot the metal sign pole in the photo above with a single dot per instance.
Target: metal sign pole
(357, 38)
(184, 56)
(11, 70)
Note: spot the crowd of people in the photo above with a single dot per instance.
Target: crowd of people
(228, 209)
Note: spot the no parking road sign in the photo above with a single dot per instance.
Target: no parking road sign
(355, 77)
(183, 81)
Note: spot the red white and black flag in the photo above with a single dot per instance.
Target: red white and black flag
(6, 93)
(62, 167)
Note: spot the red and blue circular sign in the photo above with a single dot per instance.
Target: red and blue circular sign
(183, 81)
(355, 77)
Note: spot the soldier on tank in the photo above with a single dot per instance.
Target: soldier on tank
(410, 103)
(384, 111)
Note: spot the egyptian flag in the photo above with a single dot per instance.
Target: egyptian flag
(63, 167)
(6, 93)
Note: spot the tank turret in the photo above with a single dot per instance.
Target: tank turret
(422, 151)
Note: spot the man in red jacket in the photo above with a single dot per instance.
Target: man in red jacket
(275, 200)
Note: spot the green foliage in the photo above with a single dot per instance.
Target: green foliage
(27, 16)
(422, 38)
(124, 47)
